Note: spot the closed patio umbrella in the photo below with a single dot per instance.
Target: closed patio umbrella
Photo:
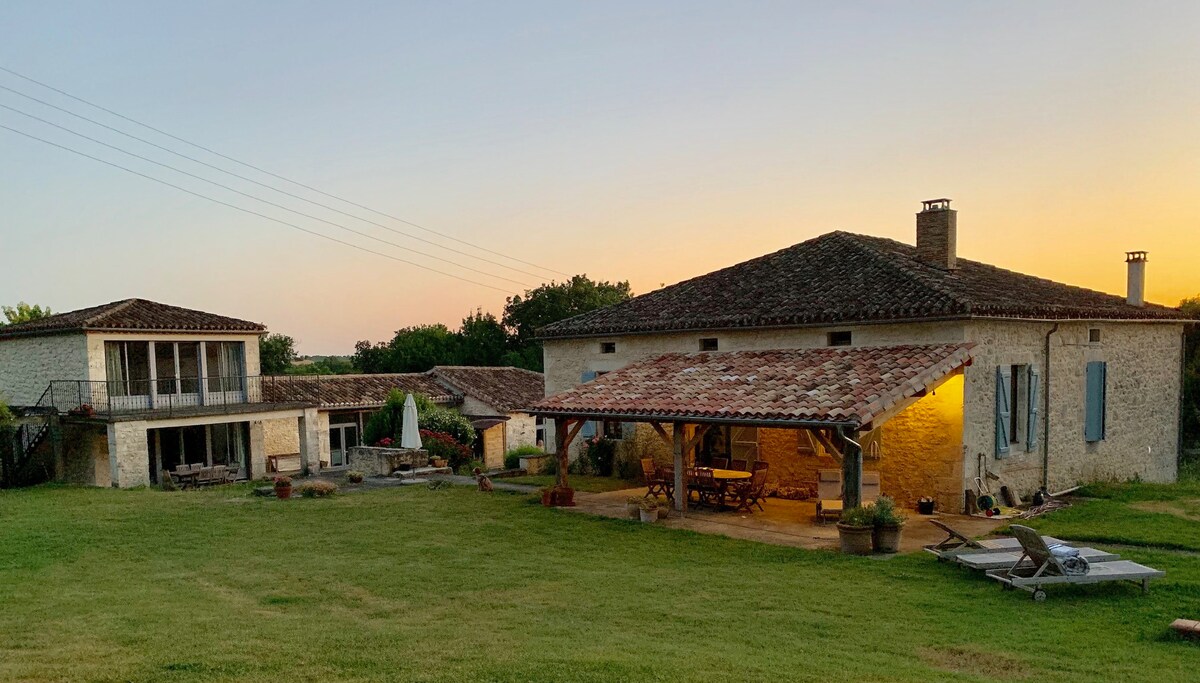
(410, 436)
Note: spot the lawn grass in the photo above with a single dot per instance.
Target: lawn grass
(579, 482)
(413, 584)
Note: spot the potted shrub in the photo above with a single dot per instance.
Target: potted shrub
(648, 509)
(354, 477)
(283, 487)
(664, 509)
(888, 526)
(856, 529)
(632, 505)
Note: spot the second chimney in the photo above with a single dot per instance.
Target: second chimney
(1135, 292)
(937, 234)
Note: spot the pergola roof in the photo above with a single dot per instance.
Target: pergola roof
(822, 387)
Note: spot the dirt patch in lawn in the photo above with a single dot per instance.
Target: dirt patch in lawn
(968, 660)
(1187, 508)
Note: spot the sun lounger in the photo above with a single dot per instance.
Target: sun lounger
(829, 494)
(1047, 568)
(956, 543)
(984, 561)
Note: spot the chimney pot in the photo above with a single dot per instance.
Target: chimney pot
(1135, 291)
(937, 234)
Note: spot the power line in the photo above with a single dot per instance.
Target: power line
(251, 180)
(251, 211)
(256, 198)
(276, 175)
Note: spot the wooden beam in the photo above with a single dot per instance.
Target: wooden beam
(662, 433)
(565, 431)
(828, 444)
(701, 430)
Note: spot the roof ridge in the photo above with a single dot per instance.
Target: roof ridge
(108, 310)
(899, 264)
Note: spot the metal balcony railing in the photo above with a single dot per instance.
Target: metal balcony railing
(166, 395)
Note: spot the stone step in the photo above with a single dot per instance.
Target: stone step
(417, 472)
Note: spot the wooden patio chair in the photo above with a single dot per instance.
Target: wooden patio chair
(720, 463)
(739, 465)
(760, 465)
(704, 486)
(656, 480)
(750, 492)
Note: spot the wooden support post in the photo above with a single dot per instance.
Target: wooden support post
(681, 492)
(851, 468)
(564, 433)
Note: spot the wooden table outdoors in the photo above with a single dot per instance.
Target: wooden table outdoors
(723, 479)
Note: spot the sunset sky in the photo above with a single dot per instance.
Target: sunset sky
(648, 141)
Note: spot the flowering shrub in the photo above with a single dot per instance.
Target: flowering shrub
(283, 482)
(600, 452)
(385, 442)
(443, 445)
(317, 489)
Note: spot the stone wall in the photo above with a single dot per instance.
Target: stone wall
(1142, 417)
(85, 455)
(29, 364)
(129, 454)
(520, 430)
(381, 462)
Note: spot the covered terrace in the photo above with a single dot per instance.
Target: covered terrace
(833, 396)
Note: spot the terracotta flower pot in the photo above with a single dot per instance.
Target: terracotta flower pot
(855, 540)
(886, 539)
(283, 492)
(438, 462)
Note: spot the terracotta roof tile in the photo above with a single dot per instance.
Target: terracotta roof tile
(503, 388)
(842, 277)
(359, 391)
(851, 385)
(132, 315)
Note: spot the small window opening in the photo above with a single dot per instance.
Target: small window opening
(1094, 335)
(840, 338)
(709, 344)
(608, 347)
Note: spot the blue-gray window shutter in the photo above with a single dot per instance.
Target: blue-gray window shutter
(1035, 402)
(588, 430)
(1003, 408)
(1093, 424)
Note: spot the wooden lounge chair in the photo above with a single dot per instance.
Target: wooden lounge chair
(985, 561)
(829, 494)
(871, 488)
(1047, 568)
(956, 543)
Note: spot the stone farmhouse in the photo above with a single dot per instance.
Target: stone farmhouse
(113, 395)
(854, 352)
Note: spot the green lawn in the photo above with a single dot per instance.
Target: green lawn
(413, 584)
(579, 482)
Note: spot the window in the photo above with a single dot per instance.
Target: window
(1017, 397)
(608, 347)
(839, 338)
(1095, 400)
(709, 344)
(225, 365)
(730, 443)
(1094, 335)
(127, 364)
(540, 432)
(613, 429)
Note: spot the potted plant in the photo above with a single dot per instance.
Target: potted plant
(648, 509)
(888, 526)
(354, 477)
(632, 505)
(283, 487)
(856, 529)
(664, 509)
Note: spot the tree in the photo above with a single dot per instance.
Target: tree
(276, 353)
(23, 313)
(1191, 372)
(371, 358)
(482, 340)
(419, 348)
(524, 316)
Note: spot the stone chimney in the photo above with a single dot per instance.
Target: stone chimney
(937, 234)
(1135, 292)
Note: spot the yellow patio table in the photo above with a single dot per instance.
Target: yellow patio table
(724, 477)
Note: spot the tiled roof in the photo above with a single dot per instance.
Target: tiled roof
(132, 315)
(357, 391)
(507, 390)
(831, 385)
(842, 277)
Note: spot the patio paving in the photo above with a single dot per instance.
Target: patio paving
(782, 522)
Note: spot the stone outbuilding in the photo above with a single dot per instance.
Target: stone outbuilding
(1062, 385)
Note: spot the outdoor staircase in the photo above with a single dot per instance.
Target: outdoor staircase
(30, 434)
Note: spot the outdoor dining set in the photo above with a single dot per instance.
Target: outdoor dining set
(723, 485)
(196, 475)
